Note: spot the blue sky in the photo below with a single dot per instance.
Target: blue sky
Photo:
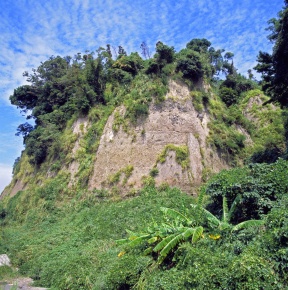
(31, 31)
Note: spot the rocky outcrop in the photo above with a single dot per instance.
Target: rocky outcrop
(4, 260)
(175, 121)
(79, 128)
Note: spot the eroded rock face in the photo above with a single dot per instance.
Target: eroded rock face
(176, 122)
(79, 128)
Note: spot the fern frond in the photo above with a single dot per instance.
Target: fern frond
(248, 224)
(197, 234)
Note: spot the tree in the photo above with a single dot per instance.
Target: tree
(189, 62)
(121, 51)
(274, 67)
(200, 45)
(24, 130)
(164, 55)
(25, 98)
(145, 50)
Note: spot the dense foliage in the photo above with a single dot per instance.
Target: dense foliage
(274, 67)
(64, 87)
(65, 239)
(233, 236)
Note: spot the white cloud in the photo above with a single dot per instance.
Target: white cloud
(31, 31)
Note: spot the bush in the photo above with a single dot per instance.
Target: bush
(228, 96)
(259, 186)
(189, 62)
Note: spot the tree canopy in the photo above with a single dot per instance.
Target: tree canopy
(274, 67)
(63, 86)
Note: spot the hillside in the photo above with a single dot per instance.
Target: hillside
(122, 160)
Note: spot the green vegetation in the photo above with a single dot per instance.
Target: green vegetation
(232, 236)
(116, 177)
(66, 239)
(182, 155)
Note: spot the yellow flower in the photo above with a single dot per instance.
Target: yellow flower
(215, 237)
(121, 254)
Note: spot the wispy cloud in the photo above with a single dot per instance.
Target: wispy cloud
(31, 31)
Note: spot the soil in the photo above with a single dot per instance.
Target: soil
(22, 284)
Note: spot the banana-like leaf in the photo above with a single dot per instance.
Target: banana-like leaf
(197, 234)
(138, 240)
(224, 226)
(188, 233)
(209, 216)
(171, 245)
(164, 242)
(233, 206)
(121, 241)
(174, 214)
(152, 240)
(148, 251)
(200, 199)
(248, 224)
(225, 209)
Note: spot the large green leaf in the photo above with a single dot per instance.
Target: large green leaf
(138, 240)
(233, 206)
(171, 245)
(164, 242)
(188, 233)
(225, 210)
(248, 224)
(197, 234)
(175, 214)
(208, 215)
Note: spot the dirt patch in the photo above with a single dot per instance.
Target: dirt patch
(21, 284)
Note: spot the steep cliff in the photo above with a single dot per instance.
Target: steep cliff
(180, 142)
(169, 126)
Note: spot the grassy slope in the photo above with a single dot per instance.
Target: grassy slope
(72, 246)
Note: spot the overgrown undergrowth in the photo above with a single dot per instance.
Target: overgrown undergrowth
(65, 239)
